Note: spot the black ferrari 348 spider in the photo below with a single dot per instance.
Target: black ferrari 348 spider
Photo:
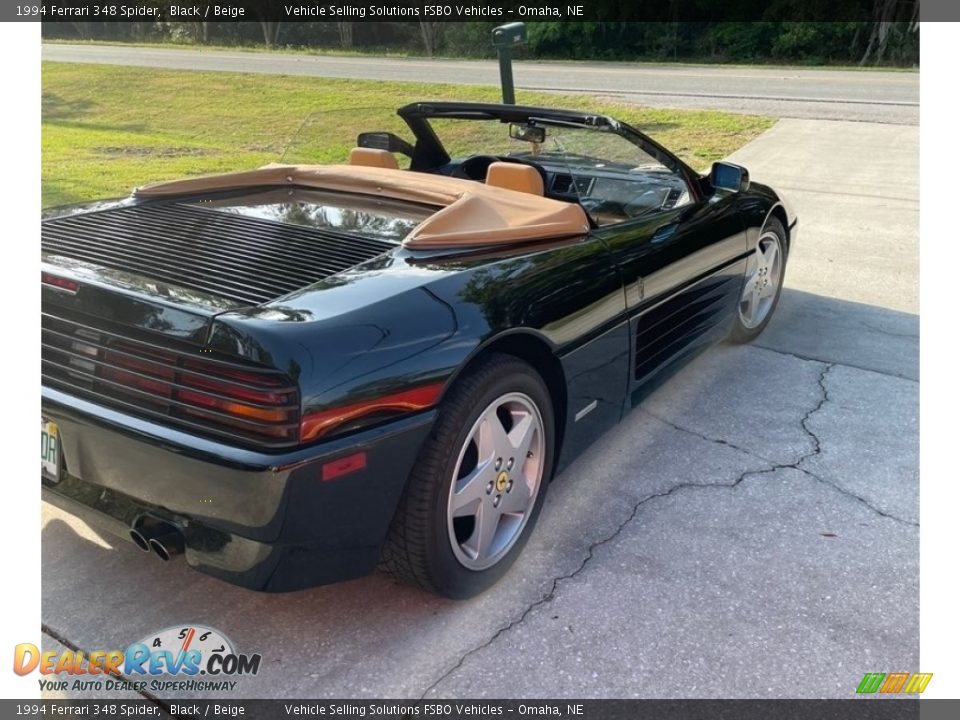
(294, 373)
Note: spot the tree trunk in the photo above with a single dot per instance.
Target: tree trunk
(345, 30)
(199, 31)
(886, 13)
(431, 35)
(271, 31)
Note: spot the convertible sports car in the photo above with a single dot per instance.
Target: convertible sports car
(293, 373)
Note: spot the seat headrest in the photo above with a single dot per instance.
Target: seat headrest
(513, 176)
(372, 157)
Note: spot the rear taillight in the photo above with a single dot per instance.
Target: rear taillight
(258, 403)
(152, 371)
(249, 397)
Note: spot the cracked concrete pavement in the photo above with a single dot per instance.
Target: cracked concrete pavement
(751, 531)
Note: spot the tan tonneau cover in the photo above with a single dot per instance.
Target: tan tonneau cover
(471, 214)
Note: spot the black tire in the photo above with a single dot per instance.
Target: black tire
(418, 548)
(742, 332)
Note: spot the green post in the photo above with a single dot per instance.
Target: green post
(504, 38)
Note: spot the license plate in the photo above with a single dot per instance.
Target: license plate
(49, 450)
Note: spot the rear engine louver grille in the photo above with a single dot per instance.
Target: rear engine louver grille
(243, 259)
(669, 327)
(246, 404)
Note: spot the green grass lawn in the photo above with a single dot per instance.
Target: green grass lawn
(107, 129)
(417, 53)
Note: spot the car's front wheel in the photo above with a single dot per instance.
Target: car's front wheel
(762, 284)
(476, 490)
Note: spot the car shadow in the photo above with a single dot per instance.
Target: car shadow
(841, 331)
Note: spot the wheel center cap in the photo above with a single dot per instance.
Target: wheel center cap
(502, 480)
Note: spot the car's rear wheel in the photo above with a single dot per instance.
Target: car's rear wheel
(762, 283)
(477, 487)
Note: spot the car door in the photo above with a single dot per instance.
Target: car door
(681, 253)
(682, 270)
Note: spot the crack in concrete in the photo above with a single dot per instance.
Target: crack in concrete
(824, 397)
(815, 439)
(70, 645)
(810, 358)
(891, 333)
(550, 594)
(716, 441)
(796, 464)
(773, 467)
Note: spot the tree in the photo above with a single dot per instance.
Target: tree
(199, 31)
(431, 32)
(345, 31)
(271, 31)
(893, 19)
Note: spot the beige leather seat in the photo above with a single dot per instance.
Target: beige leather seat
(372, 157)
(513, 176)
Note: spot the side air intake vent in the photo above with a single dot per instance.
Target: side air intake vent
(668, 328)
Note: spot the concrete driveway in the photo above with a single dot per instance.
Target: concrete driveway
(750, 532)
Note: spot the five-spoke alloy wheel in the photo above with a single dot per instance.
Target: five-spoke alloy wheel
(477, 487)
(497, 480)
(762, 284)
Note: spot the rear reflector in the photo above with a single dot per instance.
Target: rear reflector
(59, 282)
(343, 466)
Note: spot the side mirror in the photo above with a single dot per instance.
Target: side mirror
(730, 177)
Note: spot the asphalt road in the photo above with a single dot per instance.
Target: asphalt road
(870, 96)
(751, 531)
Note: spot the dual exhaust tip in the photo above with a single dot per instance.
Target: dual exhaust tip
(161, 538)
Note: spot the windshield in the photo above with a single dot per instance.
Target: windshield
(592, 147)
(611, 177)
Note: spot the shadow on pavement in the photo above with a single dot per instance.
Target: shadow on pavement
(833, 330)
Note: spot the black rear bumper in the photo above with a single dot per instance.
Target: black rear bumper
(259, 520)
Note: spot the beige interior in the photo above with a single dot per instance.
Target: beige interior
(372, 157)
(512, 176)
(471, 213)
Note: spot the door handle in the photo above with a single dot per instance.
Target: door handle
(665, 232)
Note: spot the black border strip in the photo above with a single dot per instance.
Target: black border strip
(59, 11)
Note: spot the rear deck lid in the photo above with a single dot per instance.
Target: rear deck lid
(220, 253)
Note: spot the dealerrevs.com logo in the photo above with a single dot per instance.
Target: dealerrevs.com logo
(178, 658)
